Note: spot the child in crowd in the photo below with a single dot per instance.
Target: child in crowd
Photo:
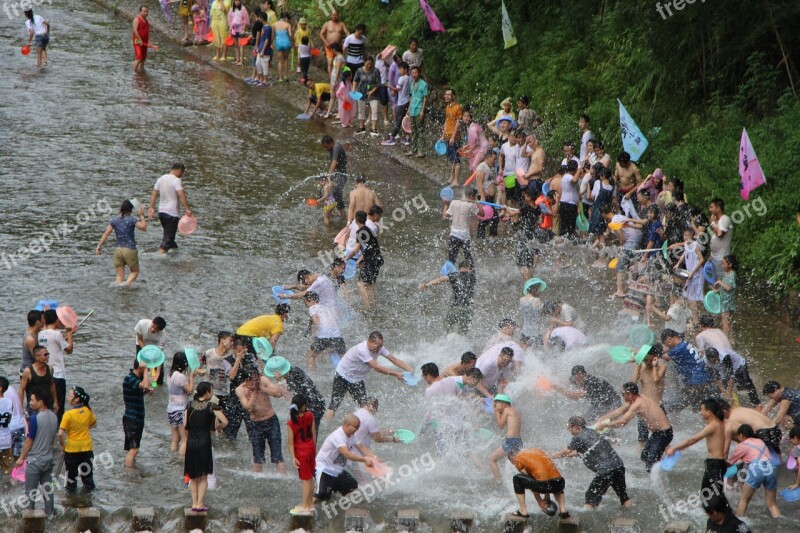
(655, 238)
(263, 52)
(794, 438)
(255, 37)
(318, 93)
(238, 20)
(302, 444)
(305, 57)
(200, 21)
(693, 259)
(346, 106)
(302, 31)
(727, 292)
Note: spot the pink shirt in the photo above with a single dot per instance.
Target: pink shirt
(749, 451)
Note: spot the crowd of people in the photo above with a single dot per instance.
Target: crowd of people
(667, 255)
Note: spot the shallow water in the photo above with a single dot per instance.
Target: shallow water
(86, 134)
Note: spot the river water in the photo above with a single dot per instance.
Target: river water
(85, 134)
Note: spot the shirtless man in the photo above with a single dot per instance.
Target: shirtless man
(506, 417)
(262, 425)
(333, 31)
(650, 378)
(714, 433)
(538, 157)
(648, 411)
(362, 198)
(627, 176)
(764, 428)
(468, 360)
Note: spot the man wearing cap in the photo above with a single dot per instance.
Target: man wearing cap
(354, 367)
(648, 411)
(152, 332)
(330, 475)
(268, 326)
(76, 442)
(57, 346)
(134, 387)
(325, 333)
(459, 316)
(599, 393)
(262, 423)
(296, 382)
(506, 417)
(698, 383)
(600, 457)
(538, 474)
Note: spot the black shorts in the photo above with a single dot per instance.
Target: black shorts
(336, 344)
(524, 482)
(326, 485)
(326, 97)
(525, 256)
(369, 273)
(338, 195)
(133, 430)
(383, 95)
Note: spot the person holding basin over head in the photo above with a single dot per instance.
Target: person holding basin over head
(293, 381)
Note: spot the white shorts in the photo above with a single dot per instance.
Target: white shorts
(362, 109)
(262, 65)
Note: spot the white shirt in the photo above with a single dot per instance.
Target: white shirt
(324, 288)
(327, 328)
(461, 212)
(716, 338)
(369, 425)
(414, 59)
(633, 236)
(6, 413)
(354, 366)
(487, 363)
(329, 459)
(524, 158)
(584, 186)
(449, 386)
(354, 44)
(403, 90)
(510, 155)
(569, 190)
(569, 314)
(39, 25)
(587, 136)
(564, 161)
(168, 186)
(572, 337)
(678, 315)
(351, 239)
(721, 246)
(148, 337)
(54, 341)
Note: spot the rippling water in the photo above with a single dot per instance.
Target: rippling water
(85, 133)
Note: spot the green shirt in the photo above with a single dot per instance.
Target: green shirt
(419, 90)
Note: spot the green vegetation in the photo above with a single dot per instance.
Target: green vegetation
(691, 81)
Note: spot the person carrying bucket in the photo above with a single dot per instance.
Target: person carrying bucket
(38, 28)
(169, 190)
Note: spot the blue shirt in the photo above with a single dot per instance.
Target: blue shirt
(124, 228)
(133, 397)
(419, 91)
(690, 364)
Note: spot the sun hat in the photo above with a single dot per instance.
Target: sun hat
(303, 20)
(507, 101)
(503, 398)
(531, 283)
(276, 364)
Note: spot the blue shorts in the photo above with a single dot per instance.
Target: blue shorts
(452, 152)
(42, 40)
(512, 445)
(762, 473)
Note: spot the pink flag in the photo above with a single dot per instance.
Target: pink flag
(749, 167)
(433, 20)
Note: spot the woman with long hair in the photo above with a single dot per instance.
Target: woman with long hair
(202, 417)
(75, 440)
(38, 28)
(124, 227)
(238, 21)
(180, 385)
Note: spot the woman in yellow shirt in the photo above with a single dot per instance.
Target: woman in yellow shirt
(75, 440)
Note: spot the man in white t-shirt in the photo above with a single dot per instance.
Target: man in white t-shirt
(496, 368)
(152, 332)
(461, 213)
(413, 56)
(169, 190)
(586, 135)
(325, 332)
(721, 234)
(354, 48)
(565, 338)
(354, 368)
(57, 346)
(569, 153)
(369, 431)
(330, 475)
(312, 282)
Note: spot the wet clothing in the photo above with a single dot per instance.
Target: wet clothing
(601, 395)
(200, 422)
(372, 258)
